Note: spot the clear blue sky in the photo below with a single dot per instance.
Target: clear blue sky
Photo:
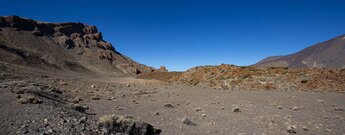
(181, 34)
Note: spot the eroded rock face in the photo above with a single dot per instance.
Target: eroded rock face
(84, 43)
(69, 31)
(127, 125)
(52, 29)
(163, 69)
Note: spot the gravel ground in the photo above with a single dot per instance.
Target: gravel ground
(48, 103)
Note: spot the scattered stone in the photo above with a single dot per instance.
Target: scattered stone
(236, 109)
(273, 104)
(326, 117)
(57, 91)
(188, 122)
(45, 121)
(29, 99)
(188, 102)
(95, 98)
(128, 85)
(135, 102)
(78, 107)
(62, 82)
(50, 131)
(18, 96)
(203, 115)
(305, 128)
(291, 128)
(156, 113)
(76, 100)
(280, 107)
(337, 117)
(288, 116)
(338, 109)
(93, 86)
(26, 89)
(112, 124)
(23, 130)
(54, 89)
(198, 109)
(167, 105)
(321, 101)
(119, 108)
(295, 108)
(304, 81)
(82, 120)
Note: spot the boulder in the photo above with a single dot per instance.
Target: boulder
(188, 122)
(29, 99)
(113, 124)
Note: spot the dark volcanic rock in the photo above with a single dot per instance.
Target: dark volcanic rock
(61, 29)
(73, 46)
(29, 99)
(188, 122)
(127, 125)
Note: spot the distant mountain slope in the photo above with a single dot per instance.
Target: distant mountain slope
(328, 54)
(65, 46)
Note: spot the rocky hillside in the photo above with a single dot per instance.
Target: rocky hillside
(62, 46)
(328, 54)
(229, 77)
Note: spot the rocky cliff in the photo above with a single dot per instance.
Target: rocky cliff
(65, 46)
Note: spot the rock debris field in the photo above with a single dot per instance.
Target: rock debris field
(49, 103)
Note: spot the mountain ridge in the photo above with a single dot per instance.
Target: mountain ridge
(327, 54)
(70, 46)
